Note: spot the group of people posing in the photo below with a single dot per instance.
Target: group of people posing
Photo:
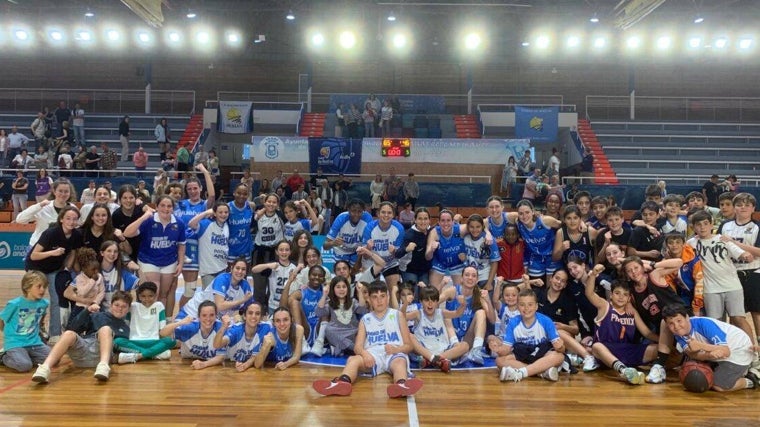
(537, 291)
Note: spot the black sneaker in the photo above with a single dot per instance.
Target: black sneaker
(754, 376)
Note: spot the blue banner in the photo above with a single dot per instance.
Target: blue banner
(539, 124)
(13, 248)
(335, 155)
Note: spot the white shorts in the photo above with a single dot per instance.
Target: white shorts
(150, 268)
(435, 347)
(383, 361)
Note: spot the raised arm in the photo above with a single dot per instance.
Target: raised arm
(598, 302)
(195, 221)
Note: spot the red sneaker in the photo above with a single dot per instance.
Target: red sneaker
(332, 388)
(445, 365)
(407, 388)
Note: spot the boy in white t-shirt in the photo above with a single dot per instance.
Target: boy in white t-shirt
(146, 320)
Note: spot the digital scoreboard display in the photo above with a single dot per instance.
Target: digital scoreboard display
(396, 147)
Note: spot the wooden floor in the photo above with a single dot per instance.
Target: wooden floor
(172, 393)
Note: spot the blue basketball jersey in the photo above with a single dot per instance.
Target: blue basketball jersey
(497, 231)
(292, 227)
(309, 299)
(241, 239)
(449, 248)
(539, 240)
(350, 233)
(158, 245)
(461, 323)
(282, 350)
(240, 348)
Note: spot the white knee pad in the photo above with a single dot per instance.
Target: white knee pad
(190, 289)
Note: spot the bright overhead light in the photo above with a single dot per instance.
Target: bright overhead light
(399, 41)
(233, 37)
(191, 14)
(594, 19)
(633, 42)
(391, 17)
(84, 36)
(472, 41)
(290, 15)
(695, 42)
(699, 19)
(202, 37)
(56, 35)
(143, 37)
(573, 41)
(112, 35)
(745, 43)
(174, 37)
(317, 39)
(21, 35)
(347, 39)
(525, 44)
(663, 42)
(542, 42)
(600, 42)
(89, 13)
(721, 43)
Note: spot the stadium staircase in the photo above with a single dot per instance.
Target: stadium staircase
(313, 124)
(603, 172)
(467, 126)
(193, 130)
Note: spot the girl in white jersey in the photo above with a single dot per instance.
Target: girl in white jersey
(213, 234)
(269, 224)
(279, 272)
(197, 337)
(45, 213)
(383, 236)
(102, 196)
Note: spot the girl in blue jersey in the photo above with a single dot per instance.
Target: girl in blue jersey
(162, 248)
(211, 231)
(445, 247)
(574, 238)
(538, 235)
(303, 304)
(615, 340)
(229, 291)
(185, 210)
(497, 219)
(347, 230)
(283, 345)
(293, 222)
(243, 340)
(481, 254)
(115, 276)
(239, 223)
(197, 337)
(383, 236)
(470, 326)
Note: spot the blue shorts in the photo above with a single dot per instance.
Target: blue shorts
(539, 265)
(351, 258)
(191, 255)
(450, 270)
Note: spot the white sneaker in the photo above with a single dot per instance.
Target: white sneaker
(475, 355)
(509, 373)
(656, 375)
(305, 347)
(551, 374)
(165, 355)
(318, 349)
(42, 374)
(127, 358)
(633, 376)
(590, 363)
(575, 359)
(102, 371)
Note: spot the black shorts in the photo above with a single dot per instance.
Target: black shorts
(391, 271)
(751, 284)
(528, 353)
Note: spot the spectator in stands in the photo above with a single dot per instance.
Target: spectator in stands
(299, 194)
(278, 180)
(376, 192)
(22, 160)
(140, 159)
(41, 158)
(386, 114)
(67, 135)
(731, 184)
(711, 190)
(340, 121)
(124, 138)
(184, 159)
(509, 176)
(88, 194)
(352, 121)
(324, 191)
(16, 141)
(20, 186)
(162, 137)
(65, 161)
(201, 157)
(339, 200)
(213, 163)
(79, 158)
(3, 145)
(553, 163)
(411, 191)
(62, 114)
(265, 187)
(112, 198)
(43, 184)
(374, 102)
(316, 178)
(142, 192)
(525, 165)
(345, 183)
(530, 191)
(663, 186)
(38, 129)
(92, 161)
(108, 159)
(294, 181)
(587, 164)
(78, 123)
(368, 116)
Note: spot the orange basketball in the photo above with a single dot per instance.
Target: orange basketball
(696, 377)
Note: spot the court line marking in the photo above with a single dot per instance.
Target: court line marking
(411, 406)
(14, 385)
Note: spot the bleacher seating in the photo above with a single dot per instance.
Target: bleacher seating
(689, 149)
(407, 125)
